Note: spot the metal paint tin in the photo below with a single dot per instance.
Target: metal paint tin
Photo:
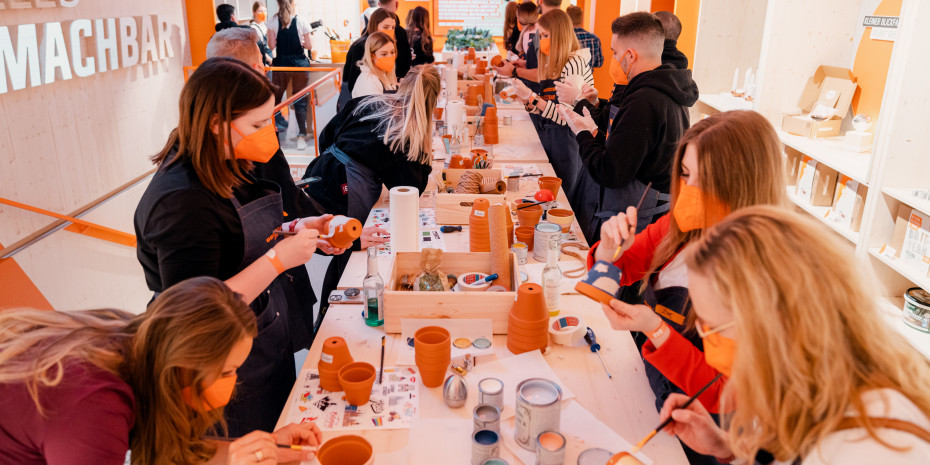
(917, 308)
(594, 456)
(508, 120)
(491, 392)
(544, 233)
(487, 417)
(538, 409)
(550, 448)
(484, 445)
(495, 461)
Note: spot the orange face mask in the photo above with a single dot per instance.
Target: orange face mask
(719, 352)
(259, 146)
(385, 64)
(261, 16)
(695, 209)
(617, 74)
(520, 26)
(544, 45)
(213, 397)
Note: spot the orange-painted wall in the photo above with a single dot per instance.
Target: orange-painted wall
(873, 58)
(605, 12)
(200, 28)
(662, 5)
(688, 12)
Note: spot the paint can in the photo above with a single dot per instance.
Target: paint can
(917, 309)
(484, 445)
(550, 448)
(594, 456)
(487, 417)
(491, 392)
(538, 409)
(544, 233)
(508, 120)
(495, 461)
(520, 250)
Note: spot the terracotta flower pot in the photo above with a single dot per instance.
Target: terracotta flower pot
(343, 231)
(526, 234)
(529, 216)
(497, 60)
(530, 304)
(472, 54)
(456, 162)
(528, 320)
(601, 283)
(346, 450)
(335, 355)
(550, 183)
(481, 67)
(478, 227)
(471, 94)
(357, 379)
(561, 217)
(437, 113)
(528, 343)
(433, 353)
(524, 328)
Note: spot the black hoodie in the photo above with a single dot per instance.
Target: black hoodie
(652, 116)
(673, 56)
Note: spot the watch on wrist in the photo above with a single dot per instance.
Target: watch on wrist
(535, 101)
(272, 257)
(513, 73)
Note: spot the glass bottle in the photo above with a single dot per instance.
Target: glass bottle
(552, 277)
(373, 289)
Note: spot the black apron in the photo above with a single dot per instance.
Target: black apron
(559, 142)
(289, 54)
(612, 201)
(266, 377)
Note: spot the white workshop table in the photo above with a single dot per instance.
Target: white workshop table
(625, 403)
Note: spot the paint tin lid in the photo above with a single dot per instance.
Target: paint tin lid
(548, 228)
(918, 295)
(482, 343)
(594, 456)
(461, 343)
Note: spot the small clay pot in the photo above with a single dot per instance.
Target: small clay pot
(601, 283)
(561, 217)
(456, 162)
(472, 54)
(433, 353)
(437, 113)
(481, 67)
(550, 183)
(526, 234)
(534, 342)
(471, 94)
(479, 235)
(343, 231)
(497, 60)
(335, 355)
(526, 328)
(529, 216)
(357, 379)
(346, 450)
(530, 304)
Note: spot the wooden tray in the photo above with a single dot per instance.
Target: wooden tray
(465, 305)
(455, 208)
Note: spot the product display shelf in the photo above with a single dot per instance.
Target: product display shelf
(830, 152)
(724, 102)
(821, 214)
(891, 310)
(906, 196)
(912, 275)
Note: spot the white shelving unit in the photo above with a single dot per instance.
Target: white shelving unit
(784, 41)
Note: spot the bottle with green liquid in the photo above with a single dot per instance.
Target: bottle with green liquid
(373, 290)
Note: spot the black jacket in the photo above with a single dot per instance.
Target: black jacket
(296, 202)
(402, 65)
(652, 117)
(226, 25)
(673, 56)
(359, 140)
(420, 56)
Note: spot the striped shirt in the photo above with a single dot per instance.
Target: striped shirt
(592, 43)
(577, 65)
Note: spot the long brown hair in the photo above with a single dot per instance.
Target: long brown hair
(285, 12)
(219, 91)
(739, 162)
(418, 28)
(510, 19)
(183, 338)
(811, 338)
(380, 15)
(562, 41)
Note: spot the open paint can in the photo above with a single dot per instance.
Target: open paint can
(917, 308)
(538, 409)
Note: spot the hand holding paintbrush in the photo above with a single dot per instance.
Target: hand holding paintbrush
(698, 436)
(632, 216)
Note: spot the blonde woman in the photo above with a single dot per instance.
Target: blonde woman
(560, 59)
(75, 384)
(377, 65)
(818, 377)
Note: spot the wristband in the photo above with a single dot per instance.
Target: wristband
(272, 257)
(513, 73)
(292, 225)
(661, 331)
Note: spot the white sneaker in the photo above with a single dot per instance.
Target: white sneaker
(301, 144)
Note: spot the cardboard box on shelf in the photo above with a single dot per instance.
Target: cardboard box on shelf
(805, 183)
(911, 239)
(824, 186)
(793, 160)
(848, 204)
(830, 87)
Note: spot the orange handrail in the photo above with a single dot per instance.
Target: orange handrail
(79, 225)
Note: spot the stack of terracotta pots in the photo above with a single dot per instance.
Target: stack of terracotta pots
(527, 326)
(433, 352)
(472, 55)
(471, 94)
(479, 236)
(357, 379)
(346, 450)
(481, 67)
(334, 356)
(490, 126)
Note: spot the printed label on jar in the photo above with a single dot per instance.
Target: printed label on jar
(326, 358)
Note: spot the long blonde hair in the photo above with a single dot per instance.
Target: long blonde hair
(811, 338)
(374, 42)
(405, 118)
(562, 41)
(285, 12)
(740, 163)
(183, 339)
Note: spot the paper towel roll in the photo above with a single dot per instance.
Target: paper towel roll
(455, 114)
(451, 77)
(500, 248)
(458, 60)
(405, 219)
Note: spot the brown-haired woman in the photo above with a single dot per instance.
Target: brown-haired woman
(75, 384)
(204, 214)
(818, 377)
(725, 162)
(511, 27)
(381, 21)
(421, 38)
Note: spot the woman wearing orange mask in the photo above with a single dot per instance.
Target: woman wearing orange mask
(204, 214)
(816, 375)
(725, 162)
(382, 21)
(84, 387)
(377, 67)
(259, 16)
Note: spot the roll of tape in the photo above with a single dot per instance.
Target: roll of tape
(567, 330)
(467, 282)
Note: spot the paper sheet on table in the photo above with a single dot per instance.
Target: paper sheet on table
(516, 169)
(440, 440)
(439, 149)
(581, 429)
(466, 328)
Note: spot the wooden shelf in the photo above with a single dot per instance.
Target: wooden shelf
(891, 309)
(830, 152)
(907, 196)
(724, 102)
(912, 275)
(821, 214)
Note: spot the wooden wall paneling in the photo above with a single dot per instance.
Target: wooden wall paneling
(730, 37)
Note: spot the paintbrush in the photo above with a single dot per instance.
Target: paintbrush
(381, 369)
(638, 206)
(297, 447)
(669, 419)
(528, 205)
